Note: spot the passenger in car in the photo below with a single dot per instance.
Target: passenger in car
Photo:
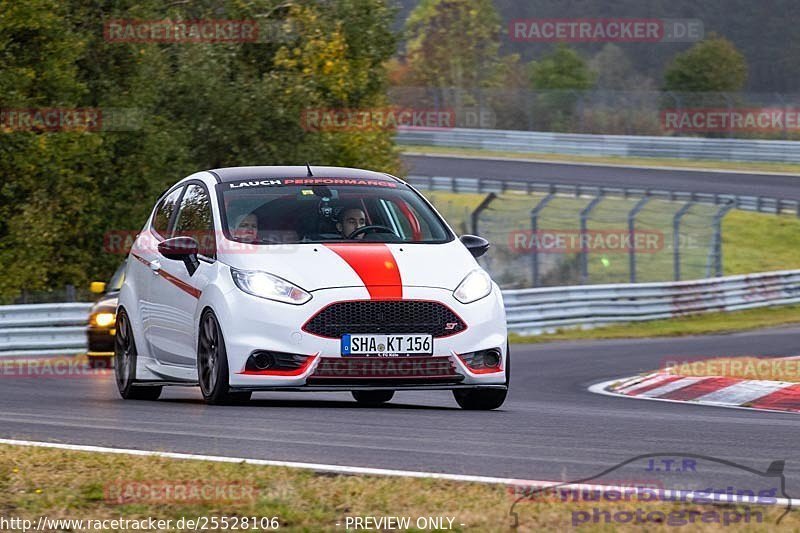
(247, 228)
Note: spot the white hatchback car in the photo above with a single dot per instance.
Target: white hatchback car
(292, 278)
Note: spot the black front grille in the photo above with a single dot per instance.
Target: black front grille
(384, 371)
(371, 316)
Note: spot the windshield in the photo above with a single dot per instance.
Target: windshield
(291, 211)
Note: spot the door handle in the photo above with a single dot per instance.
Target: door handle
(155, 266)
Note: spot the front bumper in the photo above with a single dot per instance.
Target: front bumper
(256, 324)
(386, 386)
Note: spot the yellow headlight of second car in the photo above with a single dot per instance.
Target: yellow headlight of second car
(103, 319)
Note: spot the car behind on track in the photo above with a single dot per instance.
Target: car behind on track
(102, 320)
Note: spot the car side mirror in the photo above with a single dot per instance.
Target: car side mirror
(181, 249)
(477, 246)
(97, 287)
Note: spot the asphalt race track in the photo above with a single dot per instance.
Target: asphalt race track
(551, 428)
(743, 184)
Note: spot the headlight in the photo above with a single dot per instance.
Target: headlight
(475, 286)
(268, 286)
(103, 319)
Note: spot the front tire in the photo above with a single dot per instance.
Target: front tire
(212, 364)
(372, 397)
(480, 399)
(125, 363)
(484, 399)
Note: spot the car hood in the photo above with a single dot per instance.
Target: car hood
(374, 265)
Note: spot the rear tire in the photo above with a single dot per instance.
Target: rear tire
(212, 364)
(125, 363)
(372, 397)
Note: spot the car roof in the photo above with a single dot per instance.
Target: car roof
(242, 173)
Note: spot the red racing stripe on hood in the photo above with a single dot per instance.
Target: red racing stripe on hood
(375, 265)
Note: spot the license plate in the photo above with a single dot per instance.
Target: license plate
(387, 345)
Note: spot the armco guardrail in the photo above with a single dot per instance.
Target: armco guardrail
(32, 330)
(43, 329)
(603, 145)
(762, 204)
(534, 311)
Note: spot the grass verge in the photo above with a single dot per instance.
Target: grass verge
(61, 484)
(742, 166)
(757, 242)
(676, 327)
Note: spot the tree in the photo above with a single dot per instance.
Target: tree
(624, 96)
(712, 65)
(563, 69)
(455, 43)
(45, 177)
(612, 68)
(199, 106)
(559, 77)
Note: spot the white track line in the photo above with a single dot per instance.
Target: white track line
(266, 462)
(600, 388)
(353, 469)
(600, 165)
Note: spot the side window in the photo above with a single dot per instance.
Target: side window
(195, 219)
(164, 213)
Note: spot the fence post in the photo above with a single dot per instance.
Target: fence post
(534, 237)
(480, 209)
(632, 232)
(530, 102)
(676, 238)
(584, 244)
(716, 245)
